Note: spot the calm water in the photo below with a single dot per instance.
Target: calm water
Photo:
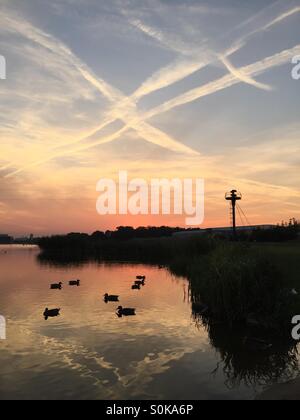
(89, 353)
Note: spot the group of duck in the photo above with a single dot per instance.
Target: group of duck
(139, 282)
(51, 313)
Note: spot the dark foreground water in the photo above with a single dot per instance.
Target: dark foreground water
(164, 352)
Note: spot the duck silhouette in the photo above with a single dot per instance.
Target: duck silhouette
(56, 286)
(136, 287)
(141, 278)
(125, 311)
(139, 282)
(74, 283)
(110, 298)
(51, 313)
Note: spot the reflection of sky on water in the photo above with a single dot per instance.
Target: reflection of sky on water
(88, 352)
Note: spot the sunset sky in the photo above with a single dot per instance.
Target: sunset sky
(160, 88)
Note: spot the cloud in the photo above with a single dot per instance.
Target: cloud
(165, 77)
(62, 108)
(162, 78)
(124, 108)
(173, 74)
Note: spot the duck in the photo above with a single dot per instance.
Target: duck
(55, 286)
(141, 278)
(139, 283)
(125, 311)
(51, 313)
(74, 283)
(135, 287)
(110, 298)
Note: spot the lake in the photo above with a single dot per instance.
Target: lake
(164, 352)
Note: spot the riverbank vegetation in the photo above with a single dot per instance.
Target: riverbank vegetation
(245, 284)
(249, 282)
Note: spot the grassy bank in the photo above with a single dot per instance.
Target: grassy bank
(286, 256)
(247, 284)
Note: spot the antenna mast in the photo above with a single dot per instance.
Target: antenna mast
(233, 196)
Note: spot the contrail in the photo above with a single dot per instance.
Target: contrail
(171, 44)
(150, 134)
(104, 140)
(112, 94)
(183, 70)
(116, 96)
(239, 74)
(161, 139)
(225, 82)
(270, 23)
(180, 70)
(54, 45)
(156, 136)
(282, 17)
(167, 76)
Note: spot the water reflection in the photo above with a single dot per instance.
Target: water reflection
(63, 260)
(247, 357)
(244, 358)
(168, 351)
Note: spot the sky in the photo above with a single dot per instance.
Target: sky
(158, 88)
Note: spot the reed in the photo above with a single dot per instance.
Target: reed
(239, 284)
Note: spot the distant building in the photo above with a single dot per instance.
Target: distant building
(24, 240)
(223, 230)
(5, 239)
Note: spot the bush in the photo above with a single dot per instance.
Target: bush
(281, 233)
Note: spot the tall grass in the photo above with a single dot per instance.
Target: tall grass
(238, 284)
